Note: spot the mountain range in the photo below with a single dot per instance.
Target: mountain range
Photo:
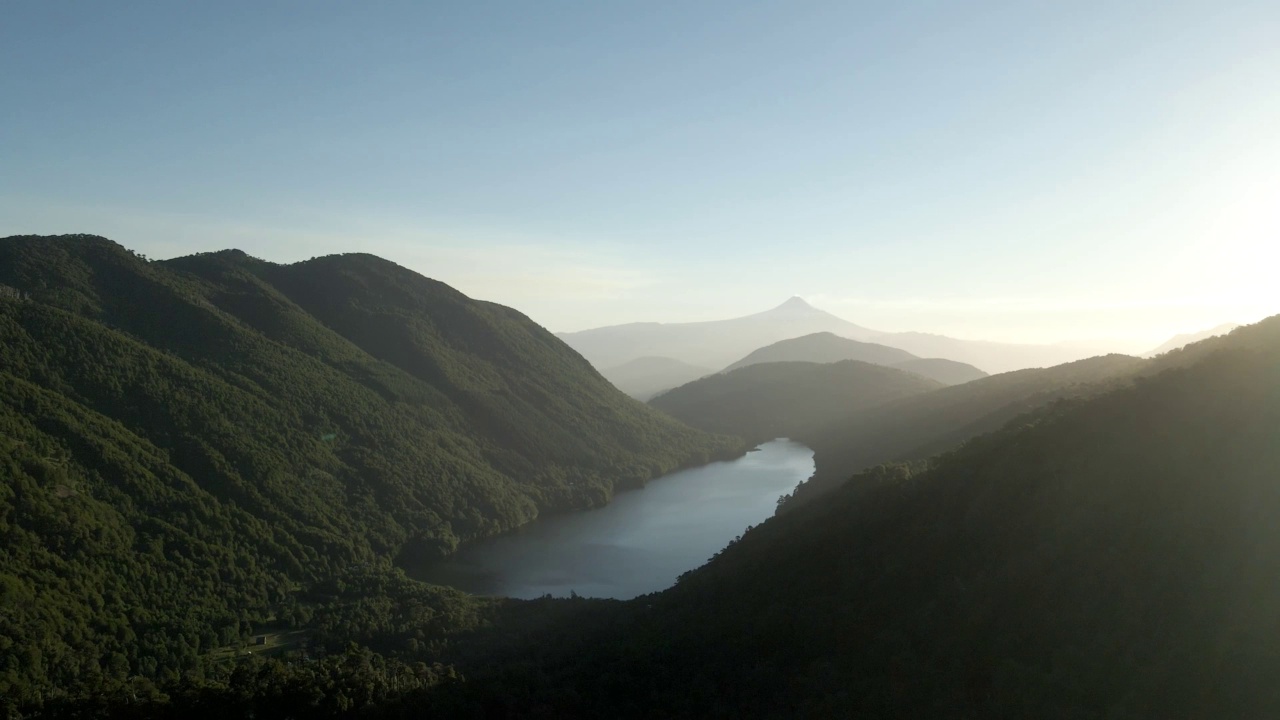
(720, 343)
(715, 343)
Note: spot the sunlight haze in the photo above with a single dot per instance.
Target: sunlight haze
(1091, 172)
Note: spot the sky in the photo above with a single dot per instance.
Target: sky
(1018, 171)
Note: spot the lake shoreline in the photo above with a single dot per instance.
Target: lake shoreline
(639, 542)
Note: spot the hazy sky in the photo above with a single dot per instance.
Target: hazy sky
(1007, 170)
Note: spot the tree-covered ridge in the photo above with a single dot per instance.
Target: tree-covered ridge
(190, 444)
(911, 430)
(915, 428)
(787, 399)
(1116, 556)
(823, 347)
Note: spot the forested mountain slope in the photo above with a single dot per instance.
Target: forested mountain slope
(914, 428)
(1110, 557)
(784, 399)
(188, 444)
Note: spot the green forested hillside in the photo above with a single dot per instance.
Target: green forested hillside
(1102, 558)
(911, 430)
(915, 428)
(199, 452)
(823, 347)
(193, 446)
(785, 399)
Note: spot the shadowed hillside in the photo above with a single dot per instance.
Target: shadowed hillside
(785, 399)
(828, 348)
(917, 427)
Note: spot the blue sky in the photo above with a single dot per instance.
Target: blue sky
(1006, 170)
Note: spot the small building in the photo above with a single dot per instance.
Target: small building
(260, 640)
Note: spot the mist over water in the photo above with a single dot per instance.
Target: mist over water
(639, 543)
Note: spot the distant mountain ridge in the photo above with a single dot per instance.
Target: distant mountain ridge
(917, 427)
(1178, 341)
(990, 357)
(713, 343)
(947, 372)
(828, 347)
(718, 343)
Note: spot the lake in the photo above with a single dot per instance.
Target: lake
(640, 542)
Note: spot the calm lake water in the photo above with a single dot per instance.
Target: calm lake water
(639, 543)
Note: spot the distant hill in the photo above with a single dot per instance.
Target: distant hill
(190, 448)
(947, 372)
(719, 343)
(828, 347)
(1178, 341)
(781, 399)
(645, 377)
(824, 347)
(707, 344)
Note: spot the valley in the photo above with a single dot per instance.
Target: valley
(306, 490)
(639, 361)
(639, 543)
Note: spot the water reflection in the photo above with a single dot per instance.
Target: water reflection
(639, 543)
